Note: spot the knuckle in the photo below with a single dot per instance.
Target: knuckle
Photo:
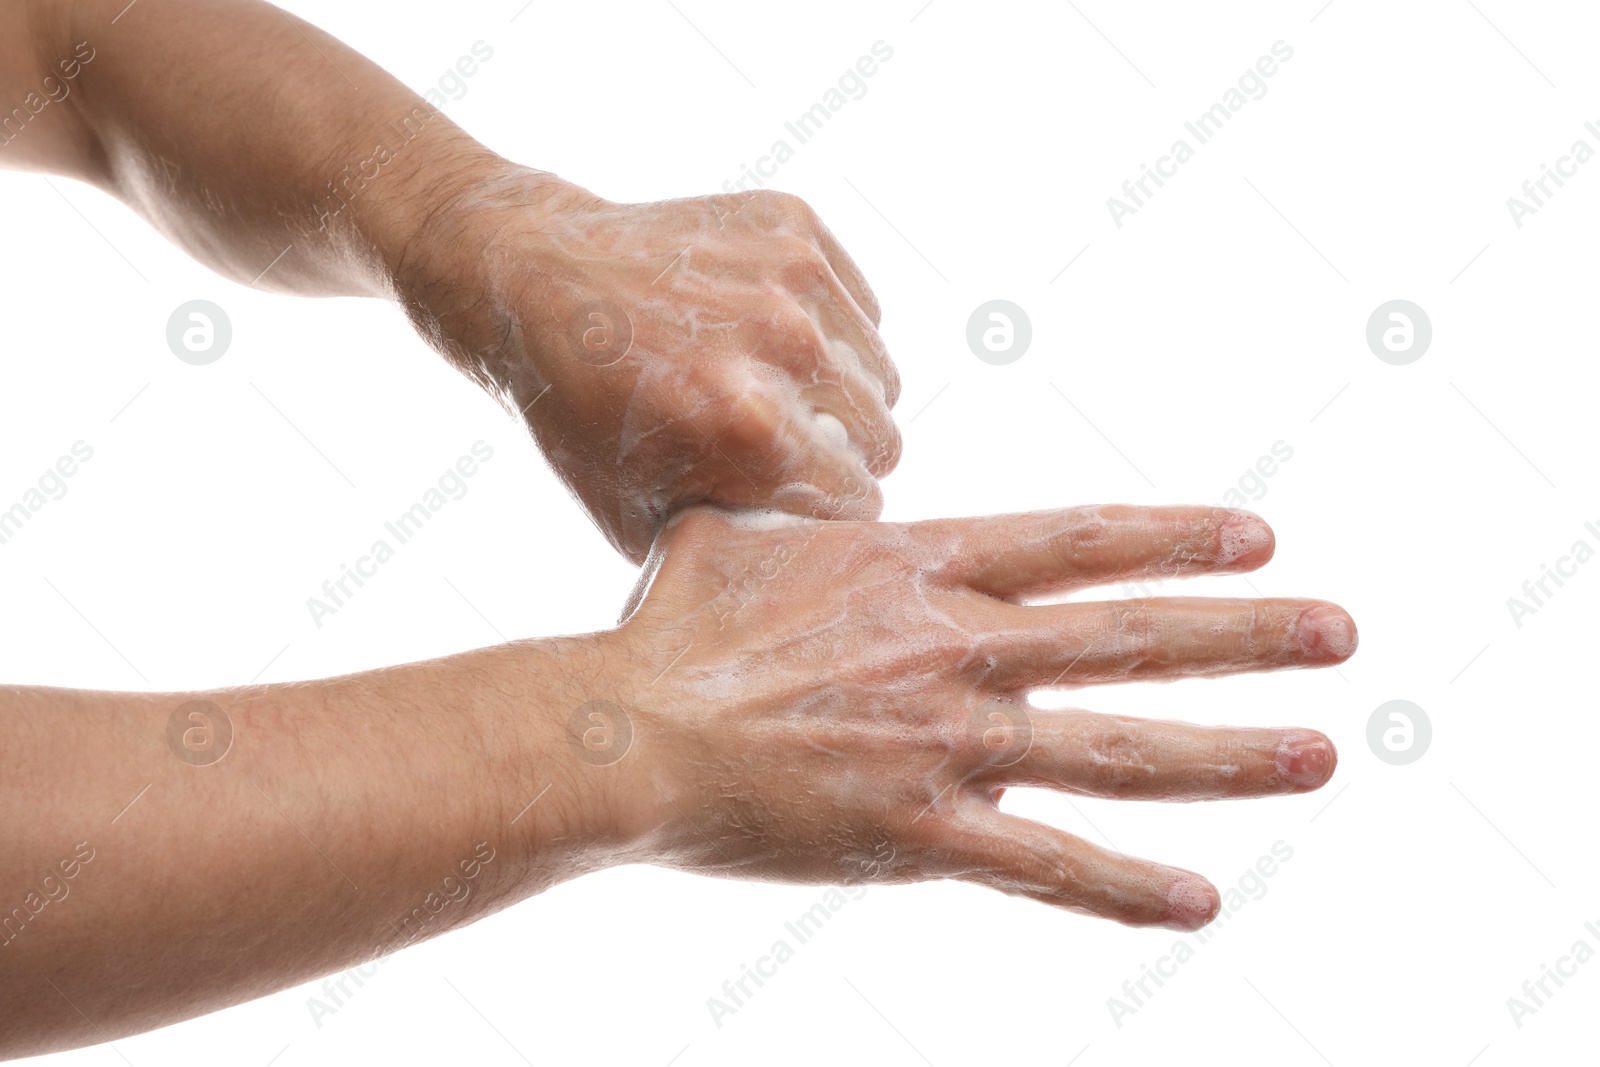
(802, 268)
(998, 733)
(980, 659)
(745, 420)
(1132, 623)
(1082, 531)
(1116, 760)
(784, 208)
(793, 328)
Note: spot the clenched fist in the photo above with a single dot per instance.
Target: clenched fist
(720, 349)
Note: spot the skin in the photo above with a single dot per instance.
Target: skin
(891, 707)
(729, 323)
(785, 699)
(807, 728)
(668, 354)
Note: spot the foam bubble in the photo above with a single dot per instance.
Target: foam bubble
(758, 519)
(831, 430)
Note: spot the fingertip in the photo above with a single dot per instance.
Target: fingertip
(1327, 633)
(1245, 541)
(891, 384)
(1192, 902)
(872, 309)
(1306, 759)
(874, 457)
(887, 457)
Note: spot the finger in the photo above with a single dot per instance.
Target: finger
(794, 462)
(838, 387)
(1147, 759)
(1159, 639)
(832, 407)
(828, 483)
(799, 352)
(1025, 858)
(763, 454)
(848, 272)
(845, 420)
(785, 213)
(1052, 551)
(809, 277)
(856, 342)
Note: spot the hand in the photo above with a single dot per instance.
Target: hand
(812, 700)
(720, 348)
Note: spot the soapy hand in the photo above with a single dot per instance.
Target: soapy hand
(812, 700)
(717, 349)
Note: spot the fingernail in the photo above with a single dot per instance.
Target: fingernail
(1306, 759)
(1246, 541)
(1326, 632)
(1191, 902)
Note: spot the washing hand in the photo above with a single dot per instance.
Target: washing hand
(720, 348)
(805, 698)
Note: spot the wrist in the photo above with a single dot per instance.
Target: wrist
(414, 230)
(563, 784)
(471, 242)
(625, 734)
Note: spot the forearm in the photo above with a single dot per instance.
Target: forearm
(266, 148)
(144, 880)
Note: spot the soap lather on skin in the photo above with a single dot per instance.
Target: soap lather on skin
(832, 431)
(836, 437)
(860, 682)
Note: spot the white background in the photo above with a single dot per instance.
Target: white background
(1226, 315)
